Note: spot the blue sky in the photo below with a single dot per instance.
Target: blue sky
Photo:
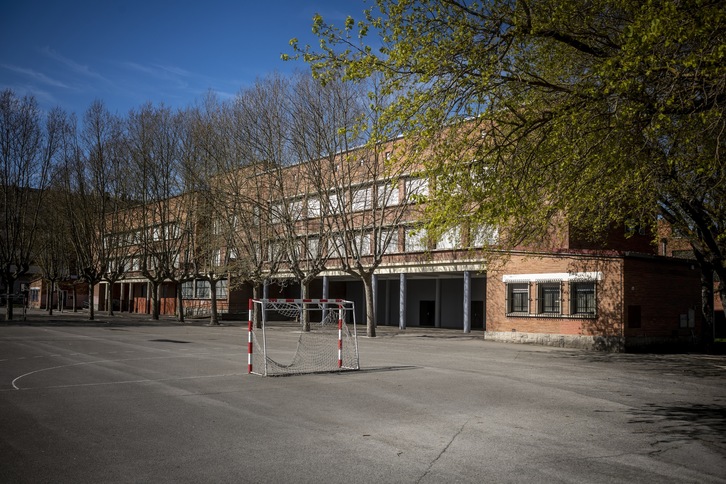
(68, 53)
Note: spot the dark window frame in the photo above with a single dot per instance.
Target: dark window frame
(518, 298)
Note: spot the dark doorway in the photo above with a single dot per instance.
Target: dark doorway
(427, 313)
(477, 315)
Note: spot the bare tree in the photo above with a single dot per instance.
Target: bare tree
(28, 150)
(247, 188)
(94, 181)
(205, 152)
(155, 135)
(53, 253)
(352, 174)
(250, 143)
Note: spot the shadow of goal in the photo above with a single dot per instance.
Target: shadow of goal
(327, 339)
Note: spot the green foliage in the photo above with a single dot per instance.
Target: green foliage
(598, 112)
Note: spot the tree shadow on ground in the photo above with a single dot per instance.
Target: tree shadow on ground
(694, 365)
(699, 422)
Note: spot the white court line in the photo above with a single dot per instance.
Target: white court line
(125, 382)
(15, 386)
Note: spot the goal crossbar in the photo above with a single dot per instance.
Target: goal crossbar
(327, 340)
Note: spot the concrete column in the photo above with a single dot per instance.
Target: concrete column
(387, 301)
(326, 290)
(265, 290)
(402, 302)
(374, 290)
(467, 302)
(437, 308)
(120, 299)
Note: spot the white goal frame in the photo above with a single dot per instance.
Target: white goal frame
(329, 345)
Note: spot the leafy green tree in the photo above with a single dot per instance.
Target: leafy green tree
(530, 114)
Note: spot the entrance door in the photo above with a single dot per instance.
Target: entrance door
(427, 313)
(477, 315)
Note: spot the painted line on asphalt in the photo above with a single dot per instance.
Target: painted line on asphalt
(126, 382)
(15, 381)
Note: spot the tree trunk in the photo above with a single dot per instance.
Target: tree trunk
(51, 290)
(257, 317)
(721, 288)
(9, 300)
(214, 317)
(109, 300)
(707, 328)
(155, 300)
(707, 318)
(367, 279)
(75, 306)
(305, 316)
(91, 309)
(179, 303)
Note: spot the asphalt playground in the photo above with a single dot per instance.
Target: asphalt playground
(125, 399)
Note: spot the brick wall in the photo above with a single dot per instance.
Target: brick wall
(607, 322)
(662, 298)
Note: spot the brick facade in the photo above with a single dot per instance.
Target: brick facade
(640, 300)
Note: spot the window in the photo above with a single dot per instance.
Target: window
(362, 199)
(419, 187)
(416, 240)
(187, 289)
(336, 203)
(157, 233)
(256, 214)
(199, 289)
(172, 231)
(387, 242)
(217, 257)
(582, 298)
(202, 289)
(314, 207)
(274, 250)
(296, 209)
(336, 246)
(518, 298)
(216, 226)
(312, 247)
(449, 239)
(482, 236)
(276, 212)
(387, 194)
(549, 298)
(363, 243)
(222, 289)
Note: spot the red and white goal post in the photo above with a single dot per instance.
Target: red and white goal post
(329, 345)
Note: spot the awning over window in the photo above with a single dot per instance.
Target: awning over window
(553, 277)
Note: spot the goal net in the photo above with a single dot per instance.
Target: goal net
(283, 346)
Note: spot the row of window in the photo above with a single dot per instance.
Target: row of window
(414, 240)
(201, 289)
(548, 299)
(169, 231)
(386, 195)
